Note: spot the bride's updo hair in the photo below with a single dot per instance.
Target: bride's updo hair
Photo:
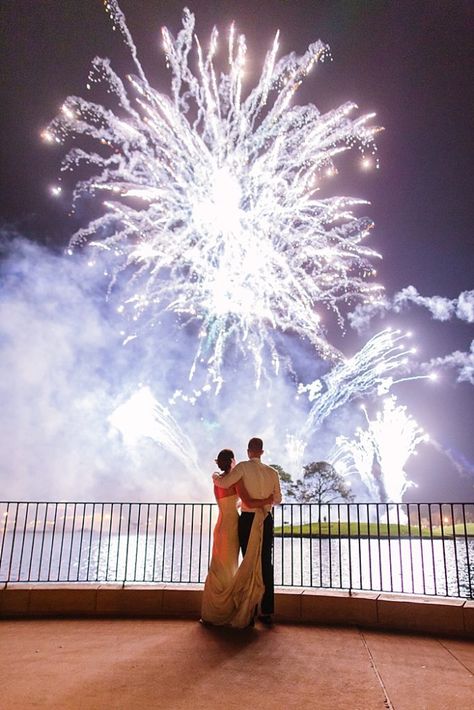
(224, 459)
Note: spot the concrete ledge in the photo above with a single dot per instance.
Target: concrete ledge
(338, 607)
(427, 614)
(110, 600)
(14, 600)
(454, 617)
(288, 603)
(468, 616)
(182, 601)
(62, 600)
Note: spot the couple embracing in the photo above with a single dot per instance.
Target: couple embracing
(234, 593)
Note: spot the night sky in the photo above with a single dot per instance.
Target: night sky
(410, 61)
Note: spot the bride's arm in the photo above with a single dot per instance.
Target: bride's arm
(252, 502)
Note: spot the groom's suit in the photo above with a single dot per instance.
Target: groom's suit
(261, 481)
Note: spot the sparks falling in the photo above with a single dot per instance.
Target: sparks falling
(216, 197)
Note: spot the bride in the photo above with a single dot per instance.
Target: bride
(231, 593)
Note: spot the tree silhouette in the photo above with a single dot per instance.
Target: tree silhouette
(321, 483)
(286, 480)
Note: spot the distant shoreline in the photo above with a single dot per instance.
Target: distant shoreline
(373, 531)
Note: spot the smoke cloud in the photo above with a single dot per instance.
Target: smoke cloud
(84, 417)
(460, 463)
(462, 362)
(442, 309)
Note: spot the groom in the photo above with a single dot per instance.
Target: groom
(261, 481)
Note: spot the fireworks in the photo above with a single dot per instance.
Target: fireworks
(216, 208)
(373, 370)
(141, 416)
(214, 196)
(386, 445)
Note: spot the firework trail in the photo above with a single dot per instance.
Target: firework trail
(356, 457)
(373, 370)
(143, 416)
(212, 197)
(379, 454)
(441, 309)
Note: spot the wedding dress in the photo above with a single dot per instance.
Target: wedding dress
(231, 592)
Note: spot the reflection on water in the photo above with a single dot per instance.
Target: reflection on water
(414, 566)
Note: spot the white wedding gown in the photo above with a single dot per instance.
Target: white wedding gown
(231, 592)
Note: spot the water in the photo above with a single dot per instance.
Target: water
(413, 566)
(427, 566)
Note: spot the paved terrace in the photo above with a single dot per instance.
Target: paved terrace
(329, 649)
(179, 664)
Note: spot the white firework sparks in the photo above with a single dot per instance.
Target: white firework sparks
(379, 453)
(142, 416)
(212, 196)
(373, 370)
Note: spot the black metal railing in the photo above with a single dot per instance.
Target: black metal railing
(416, 548)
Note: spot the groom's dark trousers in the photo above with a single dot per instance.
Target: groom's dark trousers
(245, 525)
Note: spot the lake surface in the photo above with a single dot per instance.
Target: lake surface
(412, 566)
(168, 543)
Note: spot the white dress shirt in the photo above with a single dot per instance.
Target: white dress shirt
(259, 479)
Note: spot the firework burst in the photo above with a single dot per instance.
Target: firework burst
(389, 441)
(214, 197)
